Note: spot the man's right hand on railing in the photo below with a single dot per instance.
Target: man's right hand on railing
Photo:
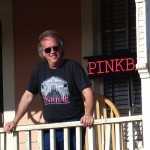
(9, 126)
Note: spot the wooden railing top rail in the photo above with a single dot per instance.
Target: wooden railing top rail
(91, 134)
(76, 123)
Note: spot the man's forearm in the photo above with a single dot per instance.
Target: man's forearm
(89, 101)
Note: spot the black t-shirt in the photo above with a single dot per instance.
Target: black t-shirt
(60, 89)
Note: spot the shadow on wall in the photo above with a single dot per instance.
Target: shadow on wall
(35, 116)
(35, 112)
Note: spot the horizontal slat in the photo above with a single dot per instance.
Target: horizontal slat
(77, 123)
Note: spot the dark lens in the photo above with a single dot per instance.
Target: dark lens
(47, 50)
(56, 48)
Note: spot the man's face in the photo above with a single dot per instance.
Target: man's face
(51, 50)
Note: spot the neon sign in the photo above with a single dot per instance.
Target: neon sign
(101, 65)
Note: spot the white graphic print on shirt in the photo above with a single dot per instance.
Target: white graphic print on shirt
(55, 91)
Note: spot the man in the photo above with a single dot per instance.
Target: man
(61, 84)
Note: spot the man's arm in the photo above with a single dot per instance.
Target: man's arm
(88, 119)
(22, 109)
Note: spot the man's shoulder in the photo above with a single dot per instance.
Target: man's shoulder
(71, 62)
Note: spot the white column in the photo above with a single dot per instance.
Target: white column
(143, 47)
(146, 111)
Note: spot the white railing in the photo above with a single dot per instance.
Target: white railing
(30, 137)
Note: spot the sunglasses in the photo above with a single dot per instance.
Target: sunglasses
(49, 49)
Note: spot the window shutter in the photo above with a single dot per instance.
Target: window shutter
(119, 34)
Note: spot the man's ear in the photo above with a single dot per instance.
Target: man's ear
(43, 53)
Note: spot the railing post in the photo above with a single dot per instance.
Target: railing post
(40, 140)
(107, 138)
(28, 140)
(66, 139)
(131, 135)
(91, 138)
(52, 139)
(119, 136)
(78, 138)
(15, 140)
(2, 141)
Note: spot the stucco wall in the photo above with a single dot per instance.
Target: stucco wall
(30, 19)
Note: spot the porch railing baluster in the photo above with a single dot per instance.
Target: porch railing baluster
(2, 141)
(40, 140)
(78, 138)
(118, 136)
(16, 140)
(131, 135)
(52, 139)
(28, 140)
(102, 136)
(91, 138)
(107, 137)
(66, 139)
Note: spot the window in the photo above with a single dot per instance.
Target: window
(118, 26)
(115, 29)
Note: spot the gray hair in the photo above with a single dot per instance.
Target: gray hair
(49, 33)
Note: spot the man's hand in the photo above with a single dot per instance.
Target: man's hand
(9, 126)
(87, 120)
